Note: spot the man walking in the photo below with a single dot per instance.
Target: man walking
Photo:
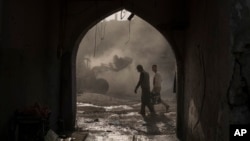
(157, 85)
(145, 87)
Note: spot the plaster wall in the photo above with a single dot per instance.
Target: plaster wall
(207, 70)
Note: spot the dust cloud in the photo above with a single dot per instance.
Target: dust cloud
(132, 42)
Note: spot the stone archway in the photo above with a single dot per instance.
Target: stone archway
(69, 56)
(143, 45)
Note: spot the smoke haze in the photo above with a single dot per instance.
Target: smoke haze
(139, 41)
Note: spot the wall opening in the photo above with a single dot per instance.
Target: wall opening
(106, 77)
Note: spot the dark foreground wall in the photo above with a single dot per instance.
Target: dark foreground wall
(29, 67)
(207, 70)
(216, 68)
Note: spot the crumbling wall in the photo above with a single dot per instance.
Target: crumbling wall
(236, 102)
(238, 96)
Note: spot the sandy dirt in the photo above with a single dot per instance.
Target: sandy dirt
(104, 115)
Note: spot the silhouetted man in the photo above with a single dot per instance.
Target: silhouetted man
(157, 85)
(145, 87)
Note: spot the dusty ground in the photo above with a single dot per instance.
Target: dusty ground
(105, 117)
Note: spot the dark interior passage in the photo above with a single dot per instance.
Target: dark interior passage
(39, 41)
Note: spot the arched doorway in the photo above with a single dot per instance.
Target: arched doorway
(69, 58)
(136, 42)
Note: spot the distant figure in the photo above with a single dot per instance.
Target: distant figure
(145, 87)
(157, 86)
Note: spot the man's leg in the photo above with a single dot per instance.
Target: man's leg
(149, 105)
(165, 104)
(143, 105)
(151, 108)
(142, 112)
(158, 90)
